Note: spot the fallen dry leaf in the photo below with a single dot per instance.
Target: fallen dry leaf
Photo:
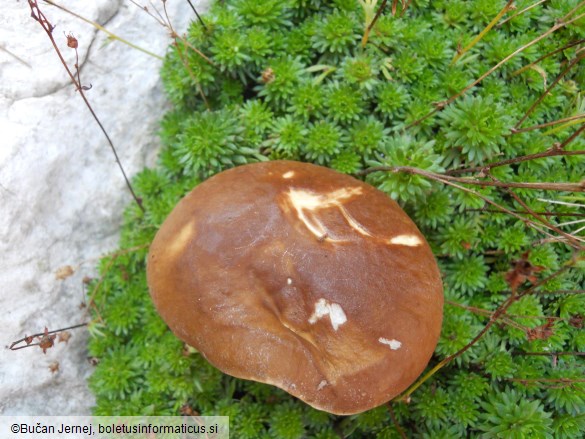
(64, 272)
(64, 336)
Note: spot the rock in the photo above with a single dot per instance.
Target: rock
(61, 192)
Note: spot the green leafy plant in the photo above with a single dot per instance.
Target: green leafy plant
(461, 138)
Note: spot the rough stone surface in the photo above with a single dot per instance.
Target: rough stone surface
(61, 193)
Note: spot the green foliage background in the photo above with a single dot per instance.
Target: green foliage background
(290, 80)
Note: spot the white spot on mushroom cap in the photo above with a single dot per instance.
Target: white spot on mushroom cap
(324, 308)
(308, 202)
(408, 240)
(289, 281)
(322, 384)
(393, 344)
(288, 174)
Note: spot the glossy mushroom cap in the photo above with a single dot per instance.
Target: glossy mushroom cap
(295, 275)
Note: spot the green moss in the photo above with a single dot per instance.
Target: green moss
(290, 80)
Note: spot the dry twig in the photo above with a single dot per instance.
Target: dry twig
(40, 18)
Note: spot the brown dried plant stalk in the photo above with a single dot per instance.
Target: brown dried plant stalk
(495, 316)
(563, 22)
(40, 18)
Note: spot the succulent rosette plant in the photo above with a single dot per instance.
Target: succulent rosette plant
(427, 98)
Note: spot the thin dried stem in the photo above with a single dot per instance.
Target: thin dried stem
(548, 90)
(40, 18)
(570, 223)
(557, 214)
(500, 310)
(27, 338)
(405, 5)
(572, 11)
(98, 26)
(569, 237)
(562, 292)
(158, 18)
(493, 318)
(16, 57)
(572, 137)
(572, 236)
(506, 319)
(183, 56)
(397, 426)
(552, 152)
(526, 9)
(568, 381)
(478, 38)
(166, 23)
(564, 187)
(564, 203)
(556, 27)
(552, 354)
(370, 25)
(197, 15)
(190, 72)
(554, 52)
(548, 124)
(440, 105)
(439, 178)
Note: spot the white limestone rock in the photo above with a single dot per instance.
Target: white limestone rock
(61, 193)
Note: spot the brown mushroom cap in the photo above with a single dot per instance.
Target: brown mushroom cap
(295, 275)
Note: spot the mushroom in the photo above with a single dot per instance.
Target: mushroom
(298, 276)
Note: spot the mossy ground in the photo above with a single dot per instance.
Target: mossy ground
(289, 79)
